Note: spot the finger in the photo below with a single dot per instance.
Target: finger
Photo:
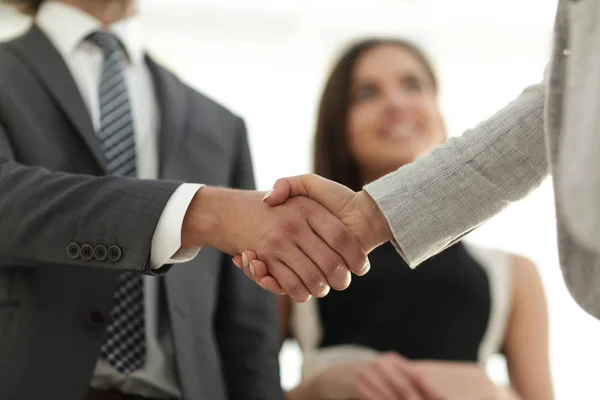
(339, 238)
(425, 389)
(330, 194)
(280, 192)
(310, 274)
(256, 265)
(246, 266)
(401, 384)
(263, 279)
(366, 392)
(258, 272)
(330, 263)
(250, 255)
(269, 283)
(327, 260)
(372, 386)
(289, 281)
(237, 261)
(260, 275)
(419, 384)
(257, 268)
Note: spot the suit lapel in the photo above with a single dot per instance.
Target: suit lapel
(173, 106)
(46, 62)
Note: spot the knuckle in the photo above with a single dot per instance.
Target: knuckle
(303, 205)
(274, 242)
(294, 289)
(280, 181)
(332, 265)
(338, 236)
(290, 226)
(314, 280)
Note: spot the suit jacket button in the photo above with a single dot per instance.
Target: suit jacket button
(100, 253)
(87, 252)
(73, 250)
(114, 253)
(96, 319)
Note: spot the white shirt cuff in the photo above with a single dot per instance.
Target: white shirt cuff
(166, 242)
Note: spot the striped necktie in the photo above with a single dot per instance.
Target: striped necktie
(125, 343)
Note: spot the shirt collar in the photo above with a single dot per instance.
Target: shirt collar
(67, 27)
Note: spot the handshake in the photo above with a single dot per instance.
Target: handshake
(305, 236)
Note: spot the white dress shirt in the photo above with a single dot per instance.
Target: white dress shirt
(67, 27)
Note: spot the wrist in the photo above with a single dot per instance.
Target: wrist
(201, 219)
(380, 231)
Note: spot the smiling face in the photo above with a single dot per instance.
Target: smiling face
(392, 115)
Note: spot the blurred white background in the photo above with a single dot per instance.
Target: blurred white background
(267, 60)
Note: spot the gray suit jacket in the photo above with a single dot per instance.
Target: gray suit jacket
(53, 307)
(552, 127)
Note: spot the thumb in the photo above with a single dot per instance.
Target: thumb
(331, 195)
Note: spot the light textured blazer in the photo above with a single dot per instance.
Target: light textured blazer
(552, 127)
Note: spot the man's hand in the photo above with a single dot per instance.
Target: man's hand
(304, 246)
(358, 211)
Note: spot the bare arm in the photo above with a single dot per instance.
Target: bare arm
(526, 342)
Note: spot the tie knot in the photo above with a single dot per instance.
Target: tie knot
(107, 42)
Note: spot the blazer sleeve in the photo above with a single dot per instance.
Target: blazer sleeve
(52, 219)
(434, 201)
(246, 322)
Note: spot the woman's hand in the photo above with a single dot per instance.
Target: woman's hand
(459, 380)
(387, 377)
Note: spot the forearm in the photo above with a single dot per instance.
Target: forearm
(43, 212)
(432, 202)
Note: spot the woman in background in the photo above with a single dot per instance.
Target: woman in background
(398, 333)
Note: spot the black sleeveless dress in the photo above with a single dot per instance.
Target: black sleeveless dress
(439, 310)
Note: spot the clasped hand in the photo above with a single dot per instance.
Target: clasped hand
(351, 228)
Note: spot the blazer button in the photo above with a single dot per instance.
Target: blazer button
(114, 253)
(100, 253)
(96, 319)
(87, 252)
(73, 250)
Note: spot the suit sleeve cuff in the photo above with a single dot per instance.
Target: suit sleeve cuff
(166, 242)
